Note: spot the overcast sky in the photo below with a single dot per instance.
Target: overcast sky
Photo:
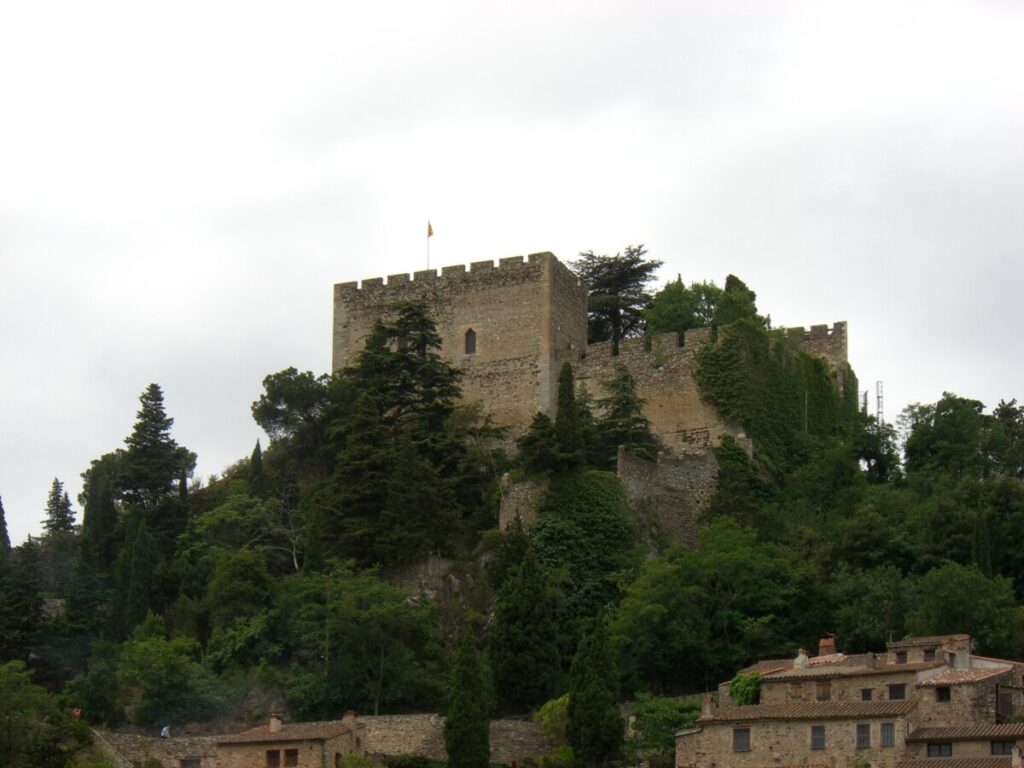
(182, 183)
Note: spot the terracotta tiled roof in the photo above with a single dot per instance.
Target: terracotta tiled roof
(997, 731)
(960, 676)
(767, 665)
(914, 642)
(848, 670)
(958, 762)
(315, 731)
(830, 710)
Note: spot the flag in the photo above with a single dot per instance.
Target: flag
(430, 229)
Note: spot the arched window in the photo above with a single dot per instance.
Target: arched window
(470, 342)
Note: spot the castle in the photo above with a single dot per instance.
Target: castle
(510, 328)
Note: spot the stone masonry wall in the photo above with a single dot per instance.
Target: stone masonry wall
(846, 688)
(784, 743)
(521, 498)
(528, 316)
(663, 376)
(671, 493)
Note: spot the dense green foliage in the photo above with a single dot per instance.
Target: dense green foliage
(745, 689)
(656, 721)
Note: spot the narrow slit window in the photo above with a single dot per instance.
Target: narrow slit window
(470, 342)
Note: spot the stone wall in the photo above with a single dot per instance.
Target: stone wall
(522, 498)
(783, 743)
(840, 688)
(511, 740)
(663, 376)
(527, 315)
(974, 702)
(134, 749)
(671, 493)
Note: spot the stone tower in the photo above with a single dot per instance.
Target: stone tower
(508, 327)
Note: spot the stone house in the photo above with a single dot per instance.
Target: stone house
(321, 744)
(924, 698)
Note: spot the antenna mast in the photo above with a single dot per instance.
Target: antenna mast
(879, 412)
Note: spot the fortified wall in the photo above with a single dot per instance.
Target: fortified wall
(509, 328)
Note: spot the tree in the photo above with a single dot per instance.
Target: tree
(99, 543)
(467, 728)
(134, 573)
(153, 462)
(679, 308)
(656, 720)
(168, 685)
(567, 428)
(34, 732)
(5, 540)
(357, 642)
(524, 648)
(737, 302)
(257, 482)
(989, 614)
(622, 422)
(60, 518)
(538, 448)
(293, 404)
(21, 606)
(616, 292)
(595, 727)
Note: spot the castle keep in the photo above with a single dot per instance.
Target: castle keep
(510, 328)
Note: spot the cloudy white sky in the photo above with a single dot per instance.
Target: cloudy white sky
(182, 183)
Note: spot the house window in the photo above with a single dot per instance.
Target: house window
(901, 657)
(291, 757)
(273, 758)
(888, 734)
(337, 760)
(942, 693)
(189, 762)
(929, 655)
(865, 694)
(1002, 747)
(817, 737)
(940, 749)
(897, 691)
(470, 342)
(863, 735)
(795, 690)
(740, 739)
(823, 690)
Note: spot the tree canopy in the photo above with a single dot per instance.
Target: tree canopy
(617, 293)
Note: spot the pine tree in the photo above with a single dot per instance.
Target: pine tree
(595, 728)
(153, 462)
(5, 540)
(524, 646)
(538, 448)
(21, 604)
(60, 518)
(567, 429)
(467, 729)
(256, 480)
(622, 422)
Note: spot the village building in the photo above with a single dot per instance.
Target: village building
(321, 744)
(926, 701)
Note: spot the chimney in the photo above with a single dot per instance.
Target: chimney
(707, 707)
(275, 722)
(1017, 761)
(800, 662)
(349, 718)
(827, 645)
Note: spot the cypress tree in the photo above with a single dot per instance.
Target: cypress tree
(134, 570)
(257, 483)
(99, 515)
(538, 448)
(567, 428)
(5, 540)
(524, 645)
(467, 729)
(595, 728)
(60, 518)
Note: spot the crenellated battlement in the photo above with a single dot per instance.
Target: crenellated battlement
(655, 346)
(447, 274)
(823, 341)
